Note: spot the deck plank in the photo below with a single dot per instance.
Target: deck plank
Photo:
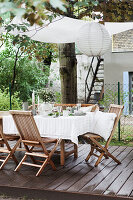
(77, 176)
(74, 177)
(113, 173)
(127, 187)
(49, 176)
(90, 175)
(131, 195)
(122, 177)
(99, 177)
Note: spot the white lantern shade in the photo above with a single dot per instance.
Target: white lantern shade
(93, 39)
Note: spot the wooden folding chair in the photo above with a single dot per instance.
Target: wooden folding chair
(93, 138)
(72, 105)
(5, 147)
(31, 138)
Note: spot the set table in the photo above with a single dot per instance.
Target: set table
(61, 127)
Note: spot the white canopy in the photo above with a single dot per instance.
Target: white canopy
(64, 29)
(60, 30)
(117, 27)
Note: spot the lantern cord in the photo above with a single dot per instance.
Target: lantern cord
(92, 73)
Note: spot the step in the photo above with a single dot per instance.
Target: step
(100, 71)
(101, 66)
(100, 76)
(97, 88)
(98, 84)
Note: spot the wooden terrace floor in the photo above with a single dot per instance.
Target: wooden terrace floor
(77, 180)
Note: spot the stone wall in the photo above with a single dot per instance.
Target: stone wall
(123, 41)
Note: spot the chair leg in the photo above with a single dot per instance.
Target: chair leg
(5, 161)
(90, 154)
(30, 150)
(42, 167)
(105, 155)
(115, 159)
(52, 164)
(75, 151)
(15, 160)
(62, 153)
(13, 151)
(21, 162)
(99, 159)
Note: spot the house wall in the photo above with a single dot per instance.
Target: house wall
(115, 64)
(116, 68)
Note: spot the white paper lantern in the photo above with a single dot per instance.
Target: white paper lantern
(93, 39)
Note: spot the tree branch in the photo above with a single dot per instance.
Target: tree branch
(1, 44)
(57, 10)
(14, 69)
(84, 13)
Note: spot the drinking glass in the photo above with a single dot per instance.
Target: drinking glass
(59, 109)
(78, 106)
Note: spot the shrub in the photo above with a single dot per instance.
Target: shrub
(5, 101)
(46, 95)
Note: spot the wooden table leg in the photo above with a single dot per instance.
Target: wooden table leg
(1, 129)
(62, 152)
(75, 151)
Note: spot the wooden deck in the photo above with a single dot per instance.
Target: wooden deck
(77, 180)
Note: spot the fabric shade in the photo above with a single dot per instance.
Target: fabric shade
(60, 30)
(63, 29)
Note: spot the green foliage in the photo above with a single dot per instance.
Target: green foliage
(111, 97)
(24, 65)
(5, 101)
(57, 97)
(25, 46)
(111, 10)
(34, 11)
(46, 95)
(116, 10)
(29, 76)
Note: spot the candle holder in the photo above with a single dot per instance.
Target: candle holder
(34, 112)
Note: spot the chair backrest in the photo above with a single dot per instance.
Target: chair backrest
(117, 109)
(2, 113)
(26, 125)
(94, 106)
(1, 127)
(72, 105)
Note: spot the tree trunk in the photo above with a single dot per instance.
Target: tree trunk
(68, 72)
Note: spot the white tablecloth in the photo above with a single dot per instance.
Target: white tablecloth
(62, 127)
(68, 127)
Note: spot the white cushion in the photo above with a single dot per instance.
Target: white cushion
(88, 109)
(103, 123)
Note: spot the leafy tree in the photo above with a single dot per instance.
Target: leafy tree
(116, 10)
(33, 11)
(23, 66)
